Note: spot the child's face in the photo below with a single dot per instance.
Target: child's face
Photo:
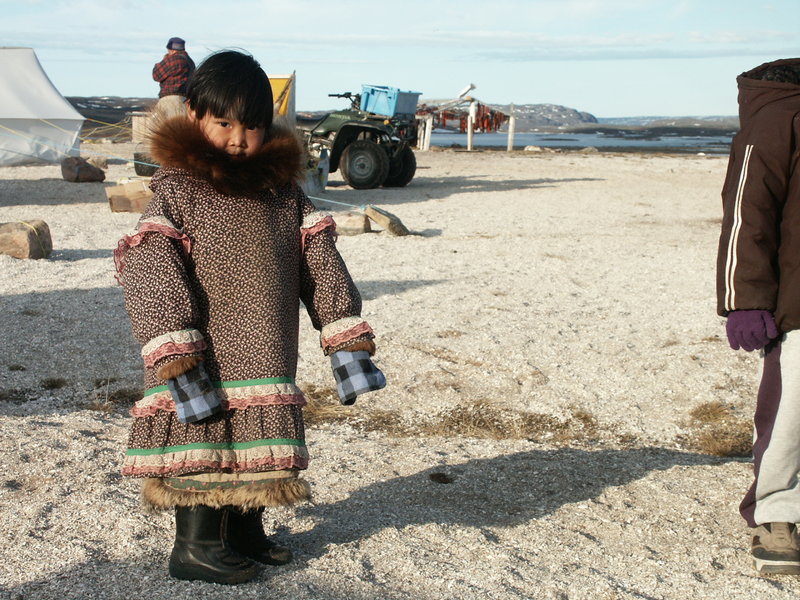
(230, 135)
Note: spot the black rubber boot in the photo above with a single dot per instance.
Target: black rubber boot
(201, 551)
(246, 537)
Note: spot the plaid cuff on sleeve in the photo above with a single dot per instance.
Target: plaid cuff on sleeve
(194, 395)
(355, 374)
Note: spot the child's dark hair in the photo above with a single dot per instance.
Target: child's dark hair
(231, 84)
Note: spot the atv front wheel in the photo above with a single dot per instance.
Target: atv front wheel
(364, 165)
(401, 169)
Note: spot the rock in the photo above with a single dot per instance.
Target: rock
(588, 150)
(26, 239)
(352, 223)
(101, 162)
(78, 170)
(386, 220)
(533, 149)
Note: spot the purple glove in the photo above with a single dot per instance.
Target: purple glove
(750, 329)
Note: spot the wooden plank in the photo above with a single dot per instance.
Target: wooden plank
(351, 223)
(387, 220)
(129, 197)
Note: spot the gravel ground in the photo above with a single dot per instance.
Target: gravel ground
(574, 290)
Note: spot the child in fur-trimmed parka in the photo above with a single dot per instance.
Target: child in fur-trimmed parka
(213, 277)
(758, 290)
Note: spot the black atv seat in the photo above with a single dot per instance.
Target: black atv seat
(310, 123)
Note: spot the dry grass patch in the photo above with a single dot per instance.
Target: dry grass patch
(13, 396)
(389, 422)
(125, 396)
(53, 383)
(710, 412)
(717, 430)
(107, 401)
(449, 333)
(481, 419)
(485, 419)
(324, 407)
(446, 355)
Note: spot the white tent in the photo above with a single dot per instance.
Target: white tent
(36, 122)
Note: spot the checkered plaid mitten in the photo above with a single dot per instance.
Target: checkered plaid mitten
(194, 395)
(355, 374)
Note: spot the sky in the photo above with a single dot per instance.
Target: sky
(611, 58)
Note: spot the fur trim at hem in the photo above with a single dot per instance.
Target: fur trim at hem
(179, 366)
(157, 496)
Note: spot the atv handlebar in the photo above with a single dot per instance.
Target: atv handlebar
(355, 99)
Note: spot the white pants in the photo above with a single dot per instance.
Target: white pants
(775, 493)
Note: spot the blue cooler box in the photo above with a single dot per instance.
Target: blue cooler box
(388, 101)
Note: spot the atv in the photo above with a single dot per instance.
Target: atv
(369, 150)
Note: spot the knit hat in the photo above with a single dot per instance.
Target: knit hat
(176, 43)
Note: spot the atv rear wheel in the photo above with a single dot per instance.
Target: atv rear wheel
(401, 169)
(364, 165)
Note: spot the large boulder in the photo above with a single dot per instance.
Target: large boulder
(77, 170)
(26, 239)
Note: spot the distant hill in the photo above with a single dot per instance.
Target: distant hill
(652, 121)
(532, 116)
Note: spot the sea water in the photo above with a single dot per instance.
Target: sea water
(620, 141)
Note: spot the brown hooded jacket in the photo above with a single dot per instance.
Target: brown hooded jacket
(758, 263)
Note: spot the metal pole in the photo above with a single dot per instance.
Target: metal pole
(512, 123)
(471, 124)
(428, 132)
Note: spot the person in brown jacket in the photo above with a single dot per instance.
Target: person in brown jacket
(213, 279)
(758, 290)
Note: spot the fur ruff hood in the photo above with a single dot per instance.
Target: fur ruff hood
(179, 143)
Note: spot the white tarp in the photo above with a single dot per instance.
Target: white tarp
(36, 122)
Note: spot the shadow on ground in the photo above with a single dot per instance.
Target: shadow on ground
(370, 290)
(422, 189)
(505, 491)
(24, 192)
